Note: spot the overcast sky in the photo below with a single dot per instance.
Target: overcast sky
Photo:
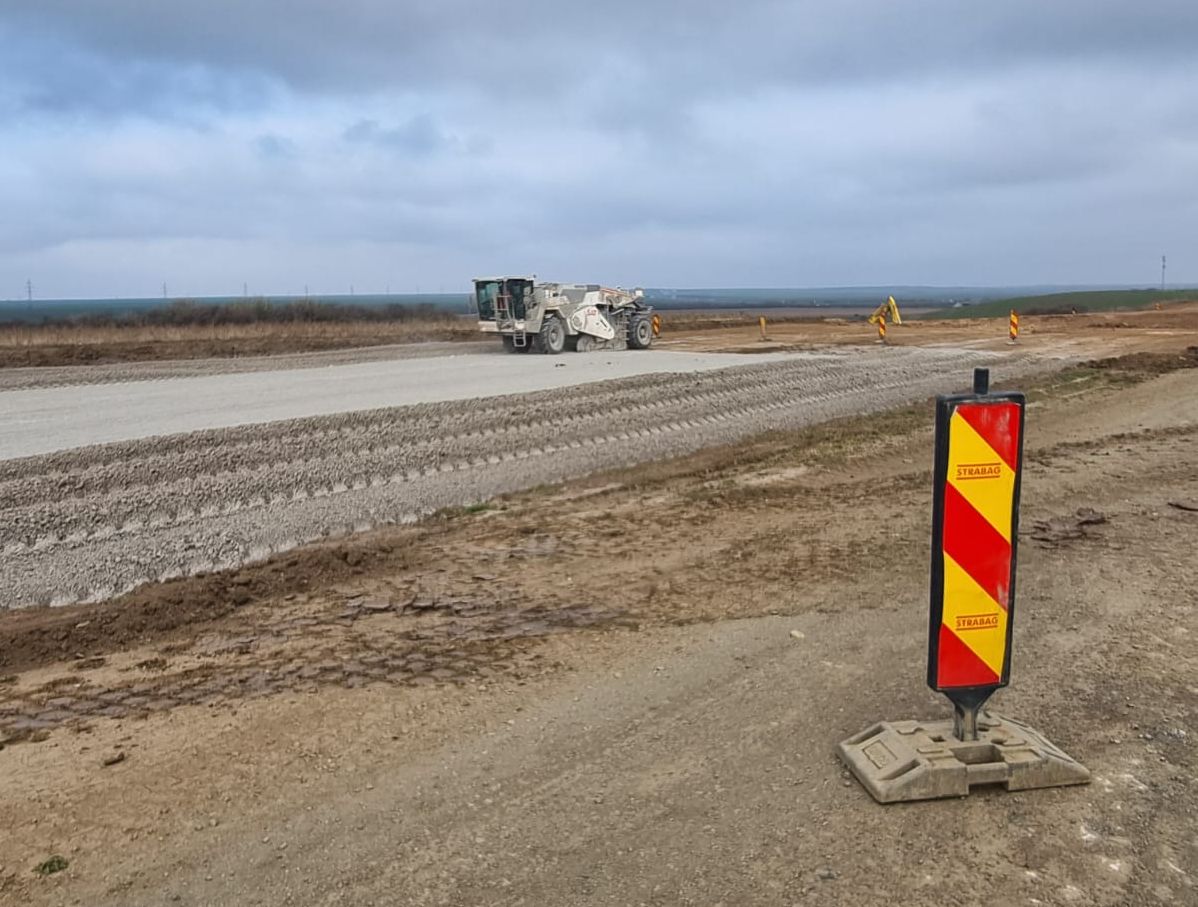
(417, 143)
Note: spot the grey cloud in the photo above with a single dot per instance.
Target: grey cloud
(419, 135)
(276, 147)
(545, 46)
(753, 142)
(48, 74)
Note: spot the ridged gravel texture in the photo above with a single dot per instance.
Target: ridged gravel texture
(90, 523)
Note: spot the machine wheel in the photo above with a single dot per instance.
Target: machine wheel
(552, 338)
(586, 343)
(640, 333)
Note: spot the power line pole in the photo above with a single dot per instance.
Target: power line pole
(29, 317)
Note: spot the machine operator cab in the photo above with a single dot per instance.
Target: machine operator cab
(502, 302)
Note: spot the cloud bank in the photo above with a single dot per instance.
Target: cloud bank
(415, 144)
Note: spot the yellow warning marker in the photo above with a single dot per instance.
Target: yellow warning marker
(656, 325)
(888, 307)
(882, 328)
(1013, 326)
(761, 325)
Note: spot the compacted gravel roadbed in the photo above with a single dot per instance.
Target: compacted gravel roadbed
(45, 419)
(88, 523)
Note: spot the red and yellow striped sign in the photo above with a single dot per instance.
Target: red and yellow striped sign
(1013, 326)
(978, 453)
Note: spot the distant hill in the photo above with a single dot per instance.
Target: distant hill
(1065, 303)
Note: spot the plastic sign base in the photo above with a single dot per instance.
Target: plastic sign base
(922, 760)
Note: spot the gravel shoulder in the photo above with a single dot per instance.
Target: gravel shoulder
(647, 728)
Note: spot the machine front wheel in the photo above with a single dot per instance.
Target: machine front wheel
(640, 333)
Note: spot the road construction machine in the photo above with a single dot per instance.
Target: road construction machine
(535, 316)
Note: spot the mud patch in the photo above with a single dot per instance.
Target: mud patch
(1148, 363)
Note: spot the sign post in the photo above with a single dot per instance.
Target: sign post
(1013, 327)
(975, 524)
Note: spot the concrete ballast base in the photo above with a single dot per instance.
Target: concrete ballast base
(922, 760)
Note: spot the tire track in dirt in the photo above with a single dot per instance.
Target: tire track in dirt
(440, 640)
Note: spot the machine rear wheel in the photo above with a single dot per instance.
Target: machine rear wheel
(552, 339)
(640, 333)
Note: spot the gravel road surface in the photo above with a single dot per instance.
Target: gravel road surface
(88, 523)
(41, 420)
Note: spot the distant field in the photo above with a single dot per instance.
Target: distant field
(201, 330)
(1065, 303)
(258, 328)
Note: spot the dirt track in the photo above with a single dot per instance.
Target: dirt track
(1082, 336)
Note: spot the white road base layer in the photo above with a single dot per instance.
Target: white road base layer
(92, 522)
(43, 420)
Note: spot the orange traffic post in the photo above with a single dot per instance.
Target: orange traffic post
(656, 325)
(761, 326)
(882, 328)
(975, 533)
(1013, 326)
